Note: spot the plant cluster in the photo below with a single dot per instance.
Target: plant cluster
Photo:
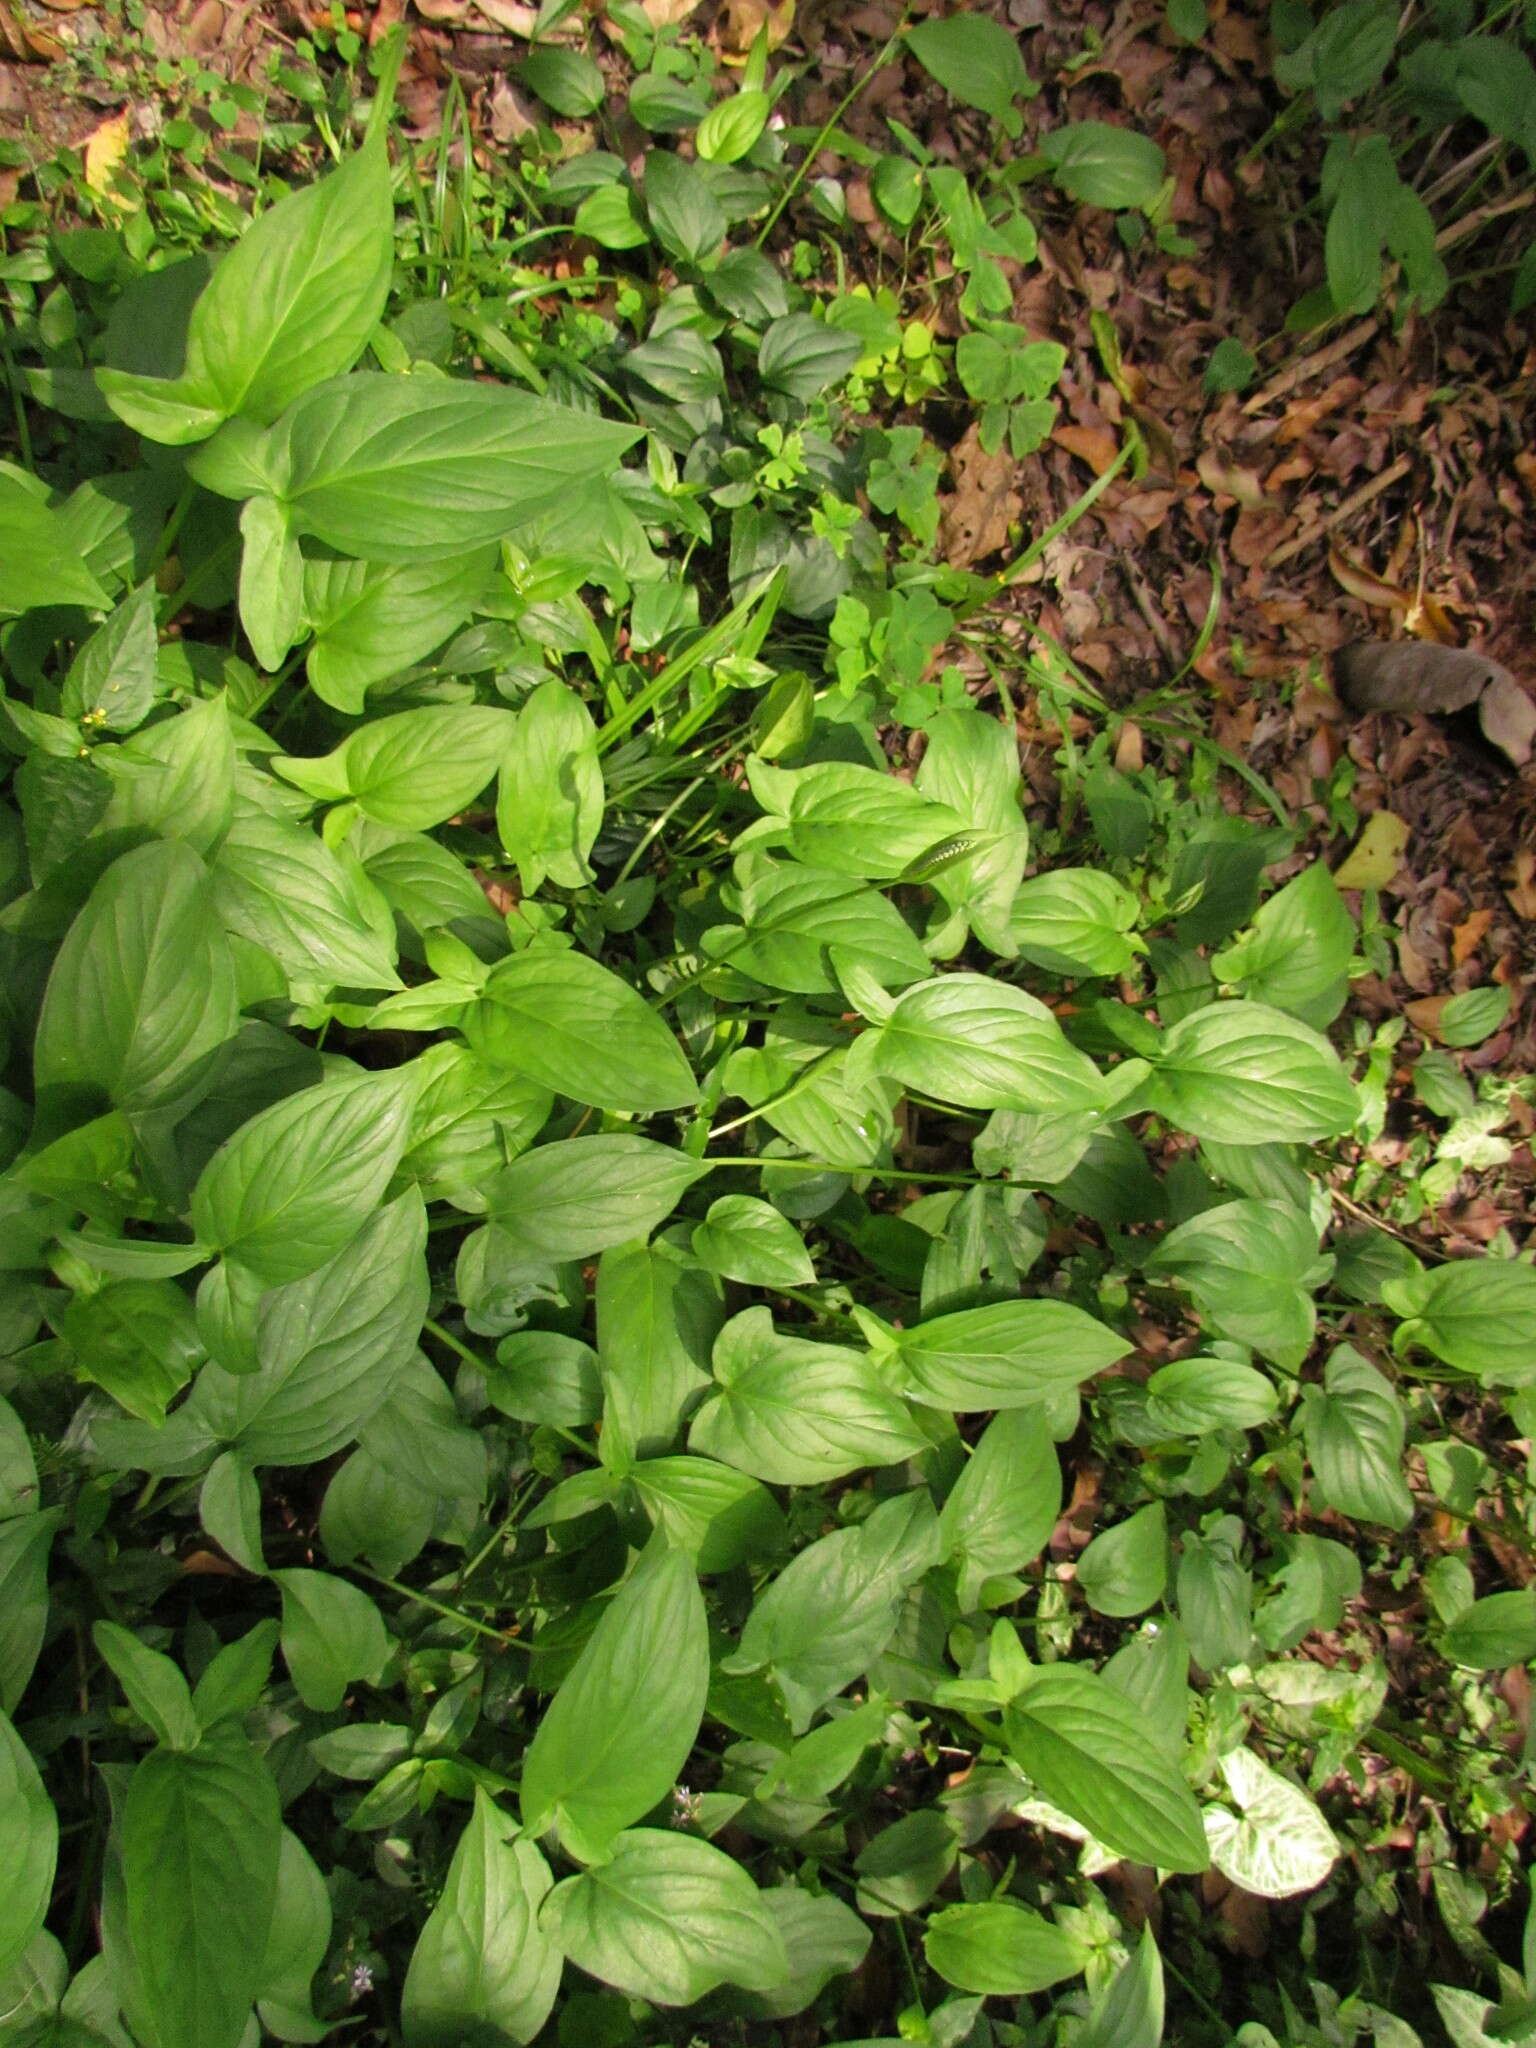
(562, 1223)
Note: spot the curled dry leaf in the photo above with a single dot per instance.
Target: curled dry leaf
(1412, 677)
(1508, 717)
(105, 149)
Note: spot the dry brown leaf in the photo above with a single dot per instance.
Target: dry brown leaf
(446, 13)
(1224, 479)
(1410, 676)
(1508, 717)
(1469, 935)
(1376, 854)
(1428, 619)
(1094, 445)
(1360, 580)
(1424, 1015)
(1522, 897)
(667, 13)
(1129, 757)
(510, 15)
(25, 43)
(740, 21)
(983, 505)
(105, 148)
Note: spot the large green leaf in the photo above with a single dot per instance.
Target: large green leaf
(977, 60)
(201, 1838)
(791, 915)
(314, 911)
(136, 1339)
(1251, 1268)
(984, 1045)
(372, 620)
(618, 1732)
(1494, 1632)
(412, 469)
(721, 1517)
(329, 1347)
(582, 1195)
(1000, 1949)
(299, 1180)
(412, 769)
(482, 1968)
(1297, 955)
(1004, 1505)
(30, 1830)
(142, 993)
(1088, 1750)
(1125, 1568)
(797, 1413)
(1355, 1427)
(25, 1541)
(549, 801)
(332, 1634)
(1075, 921)
(293, 302)
(1479, 1315)
(834, 1607)
(1243, 1074)
(658, 1314)
(1005, 1355)
(575, 1028)
(667, 1919)
(1281, 1845)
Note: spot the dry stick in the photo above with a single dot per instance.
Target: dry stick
(1312, 365)
(1341, 512)
(1474, 222)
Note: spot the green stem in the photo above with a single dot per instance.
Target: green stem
(833, 121)
(455, 1344)
(481, 1628)
(891, 1173)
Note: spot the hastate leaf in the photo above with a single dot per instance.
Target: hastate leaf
(1243, 1074)
(1005, 1355)
(579, 1196)
(982, 1044)
(414, 768)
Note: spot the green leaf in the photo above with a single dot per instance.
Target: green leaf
(413, 769)
(112, 681)
(803, 357)
(744, 1239)
(1101, 165)
(1005, 1355)
(796, 1413)
(1474, 1015)
(1003, 1507)
(792, 915)
(1075, 921)
(1252, 1268)
(1000, 1949)
(1124, 1569)
(542, 1376)
(667, 1919)
(154, 1686)
(834, 1607)
(1231, 365)
(732, 126)
(1088, 1751)
(25, 1541)
(565, 80)
(1354, 1434)
(982, 1044)
(1130, 2013)
(482, 1966)
(201, 1839)
(611, 217)
(722, 1518)
(293, 302)
(39, 564)
(329, 1347)
(297, 1943)
(550, 799)
(1243, 1074)
(371, 620)
(621, 1726)
(318, 915)
(332, 1634)
(977, 61)
(1479, 1315)
(410, 469)
(561, 1020)
(1494, 1633)
(142, 993)
(236, 1676)
(579, 1196)
(657, 1317)
(684, 214)
(1282, 1845)
(1298, 952)
(1194, 1395)
(30, 1830)
(137, 1340)
(298, 1180)
(822, 1939)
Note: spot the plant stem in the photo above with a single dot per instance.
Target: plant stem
(481, 1628)
(833, 121)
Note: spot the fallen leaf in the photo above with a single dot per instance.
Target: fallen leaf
(20, 40)
(977, 514)
(1361, 581)
(1129, 758)
(105, 148)
(1424, 1015)
(510, 15)
(1508, 717)
(1468, 936)
(1522, 897)
(741, 20)
(1224, 479)
(1428, 619)
(667, 13)
(1094, 445)
(1376, 854)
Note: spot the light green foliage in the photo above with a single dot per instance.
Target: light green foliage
(570, 1221)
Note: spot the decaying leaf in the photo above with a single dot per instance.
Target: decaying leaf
(1374, 859)
(982, 506)
(105, 149)
(1508, 717)
(741, 20)
(25, 43)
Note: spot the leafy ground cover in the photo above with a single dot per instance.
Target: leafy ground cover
(764, 1271)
